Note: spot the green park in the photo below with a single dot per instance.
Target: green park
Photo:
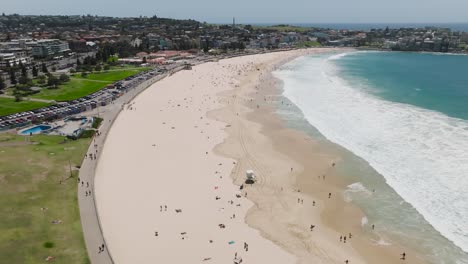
(62, 88)
(38, 199)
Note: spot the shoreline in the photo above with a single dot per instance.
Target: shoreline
(296, 144)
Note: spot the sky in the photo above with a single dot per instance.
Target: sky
(256, 11)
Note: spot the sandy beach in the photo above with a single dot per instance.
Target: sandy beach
(168, 180)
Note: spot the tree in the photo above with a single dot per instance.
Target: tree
(41, 79)
(34, 71)
(106, 67)
(78, 62)
(53, 81)
(98, 68)
(18, 97)
(84, 74)
(24, 71)
(54, 69)
(23, 80)
(44, 68)
(2, 84)
(13, 77)
(64, 78)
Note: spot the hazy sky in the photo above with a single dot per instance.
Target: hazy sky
(257, 11)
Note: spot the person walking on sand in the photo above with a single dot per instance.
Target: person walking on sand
(346, 261)
(350, 235)
(344, 239)
(341, 238)
(312, 227)
(329, 195)
(403, 256)
(313, 203)
(373, 226)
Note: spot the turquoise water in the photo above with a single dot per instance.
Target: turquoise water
(35, 130)
(401, 122)
(436, 82)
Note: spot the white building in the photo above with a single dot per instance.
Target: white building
(48, 47)
(9, 60)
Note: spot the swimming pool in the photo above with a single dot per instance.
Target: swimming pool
(35, 130)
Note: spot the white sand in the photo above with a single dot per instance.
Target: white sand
(134, 178)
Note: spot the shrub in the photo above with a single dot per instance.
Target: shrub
(87, 134)
(64, 77)
(97, 122)
(48, 244)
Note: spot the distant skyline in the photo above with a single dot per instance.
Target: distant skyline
(258, 11)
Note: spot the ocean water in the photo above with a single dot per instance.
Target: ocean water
(402, 121)
(368, 26)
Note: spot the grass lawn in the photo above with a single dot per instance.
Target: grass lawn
(30, 176)
(78, 86)
(9, 106)
(75, 88)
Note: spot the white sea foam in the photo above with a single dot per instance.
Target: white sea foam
(382, 242)
(364, 221)
(422, 154)
(356, 187)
